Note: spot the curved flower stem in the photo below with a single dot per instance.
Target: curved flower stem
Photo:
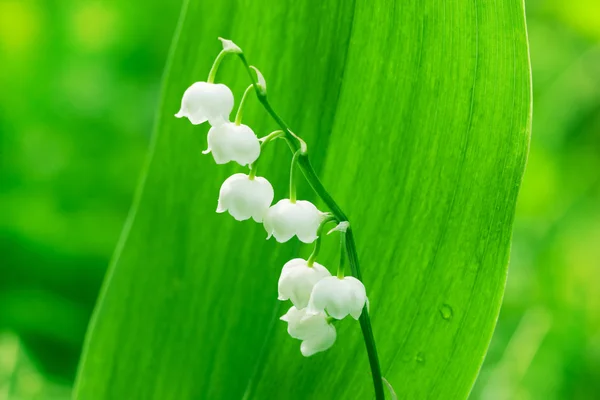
(271, 136)
(313, 256)
(296, 144)
(240, 111)
(215, 67)
(293, 177)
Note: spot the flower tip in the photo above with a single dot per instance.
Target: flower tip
(229, 46)
(280, 239)
(356, 315)
(206, 151)
(307, 240)
(306, 351)
(341, 227)
(261, 83)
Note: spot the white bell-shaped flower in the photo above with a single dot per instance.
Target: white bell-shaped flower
(286, 219)
(231, 142)
(339, 297)
(244, 197)
(205, 101)
(315, 331)
(297, 280)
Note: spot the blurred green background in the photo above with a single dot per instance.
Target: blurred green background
(79, 83)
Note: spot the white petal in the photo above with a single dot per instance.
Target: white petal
(318, 343)
(219, 120)
(329, 295)
(297, 280)
(338, 297)
(308, 222)
(277, 221)
(293, 318)
(246, 147)
(204, 101)
(315, 331)
(263, 197)
(286, 219)
(230, 142)
(244, 197)
(358, 296)
(218, 140)
(314, 328)
(267, 225)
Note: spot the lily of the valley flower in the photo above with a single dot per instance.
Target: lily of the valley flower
(286, 219)
(244, 197)
(315, 331)
(205, 101)
(231, 142)
(338, 296)
(297, 280)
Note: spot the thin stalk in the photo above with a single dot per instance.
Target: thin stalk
(315, 183)
(215, 67)
(240, 111)
(317, 248)
(264, 141)
(364, 320)
(342, 264)
(293, 177)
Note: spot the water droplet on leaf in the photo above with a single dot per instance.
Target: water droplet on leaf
(446, 312)
(420, 357)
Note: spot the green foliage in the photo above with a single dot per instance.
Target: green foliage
(79, 88)
(417, 120)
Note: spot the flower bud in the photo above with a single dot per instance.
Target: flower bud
(297, 280)
(244, 197)
(286, 219)
(339, 297)
(230, 47)
(204, 101)
(231, 142)
(315, 331)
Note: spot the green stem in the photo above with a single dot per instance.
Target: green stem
(215, 67)
(342, 264)
(271, 136)
(238, 115)
(364, 320)
(315, 183)
(317, 248)
(293, 177)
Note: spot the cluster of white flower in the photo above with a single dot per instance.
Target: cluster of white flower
(318, 298)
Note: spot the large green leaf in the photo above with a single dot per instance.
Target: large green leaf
(417, 117)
